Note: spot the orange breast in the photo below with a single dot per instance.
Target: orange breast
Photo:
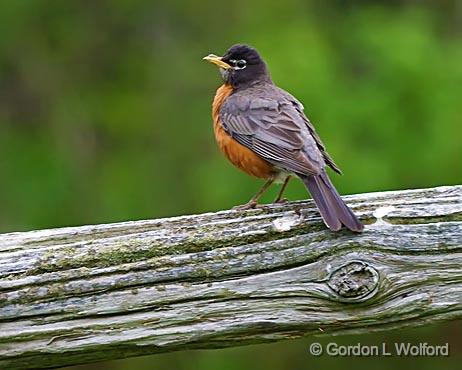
(242, 157)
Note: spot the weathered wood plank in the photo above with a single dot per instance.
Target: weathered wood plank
(83, 294)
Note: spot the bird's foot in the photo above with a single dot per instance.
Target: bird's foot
(249, 205)
(281, 200)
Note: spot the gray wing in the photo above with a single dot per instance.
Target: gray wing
(277, 130)
(327, 158)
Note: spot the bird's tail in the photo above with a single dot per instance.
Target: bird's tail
(333, 209)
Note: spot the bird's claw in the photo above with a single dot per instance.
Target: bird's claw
(243, 207)
(281, 201)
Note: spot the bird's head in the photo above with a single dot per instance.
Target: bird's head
(240, 66)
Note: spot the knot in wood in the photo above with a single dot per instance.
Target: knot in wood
(354, 281)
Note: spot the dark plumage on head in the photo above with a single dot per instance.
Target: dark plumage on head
(247, 66)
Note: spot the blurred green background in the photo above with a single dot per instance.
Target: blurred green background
(105, 116)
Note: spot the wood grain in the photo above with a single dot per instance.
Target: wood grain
(83, 294)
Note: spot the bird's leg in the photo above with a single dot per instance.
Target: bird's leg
(279, 198)
(252, 203)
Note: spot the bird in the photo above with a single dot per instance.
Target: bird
(263, 130)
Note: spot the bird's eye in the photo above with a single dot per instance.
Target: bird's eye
(241, 64)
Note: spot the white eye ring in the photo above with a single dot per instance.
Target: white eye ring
(239, 64)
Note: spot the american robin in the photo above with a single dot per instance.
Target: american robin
(263, 130)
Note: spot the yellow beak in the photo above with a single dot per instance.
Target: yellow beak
(212, 58)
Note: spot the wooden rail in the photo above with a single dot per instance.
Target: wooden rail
(90, 293)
